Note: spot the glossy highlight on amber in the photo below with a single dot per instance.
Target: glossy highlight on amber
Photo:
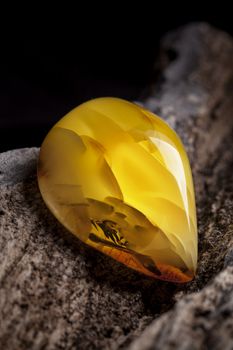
(118, 177)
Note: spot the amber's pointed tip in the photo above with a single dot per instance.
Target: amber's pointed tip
(190, 276)
(173, 274)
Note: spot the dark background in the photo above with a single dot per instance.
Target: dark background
(49, 66)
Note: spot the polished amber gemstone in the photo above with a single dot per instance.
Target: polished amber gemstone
(118, 177)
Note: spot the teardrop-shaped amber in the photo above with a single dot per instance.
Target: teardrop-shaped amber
(118, 177)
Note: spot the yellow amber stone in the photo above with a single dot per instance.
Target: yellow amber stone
(118, 177)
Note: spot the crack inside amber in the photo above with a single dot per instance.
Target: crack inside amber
(118, 178)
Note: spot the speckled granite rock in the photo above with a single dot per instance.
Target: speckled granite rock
(198, 321)
(57, 294)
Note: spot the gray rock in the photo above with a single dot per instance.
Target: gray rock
(55, 294)
(198, 321)
(15, 166)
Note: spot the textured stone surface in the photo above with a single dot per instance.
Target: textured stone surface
(58, 295)
(198, 321)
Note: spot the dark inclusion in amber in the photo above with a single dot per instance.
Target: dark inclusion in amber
(118, 177)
